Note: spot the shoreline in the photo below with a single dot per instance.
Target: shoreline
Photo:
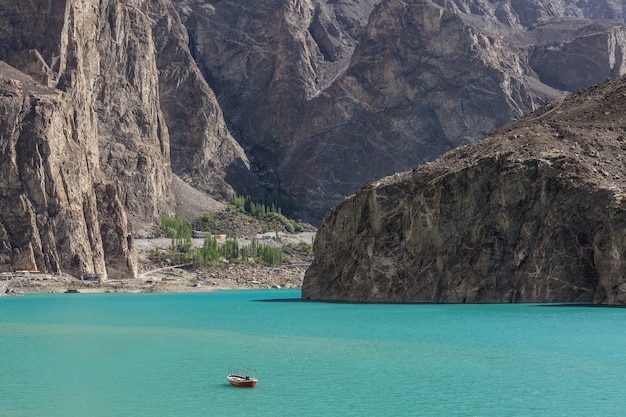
(153, 277)
(164, 280)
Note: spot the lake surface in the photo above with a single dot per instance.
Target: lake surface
(168, 355)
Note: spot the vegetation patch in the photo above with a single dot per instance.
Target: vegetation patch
(211, 252)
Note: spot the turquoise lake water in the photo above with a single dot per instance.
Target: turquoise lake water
(168, 355)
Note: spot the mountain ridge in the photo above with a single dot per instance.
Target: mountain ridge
(422, 77)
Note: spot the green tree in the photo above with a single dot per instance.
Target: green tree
(178, 230)
(230, 249)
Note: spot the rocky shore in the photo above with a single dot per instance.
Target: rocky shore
(172, 279)
(154, 278)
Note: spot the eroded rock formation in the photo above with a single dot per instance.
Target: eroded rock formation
(202, 149)
(535, 212)
(84, 141)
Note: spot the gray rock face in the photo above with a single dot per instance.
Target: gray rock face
(327, 96)
(202, 150)
(594, 54)
(110, 86)
(533, 213)
(421, 81)
(122, 87)
(120, 253)
(89, 116)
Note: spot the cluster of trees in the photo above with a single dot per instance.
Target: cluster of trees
(178, 230)
(259, 206)
(269, 210)
(211, 252)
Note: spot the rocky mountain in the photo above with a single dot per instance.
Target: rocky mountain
(326, 96)
(108, 107)
(49, 211)
(90, 93)
(535, 212)
(83, 113)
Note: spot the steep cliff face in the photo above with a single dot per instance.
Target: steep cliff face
(313, 98)
(48, 207)
(89, 115)
(121, 87)
(533, 213)
(202, 150)
(122, 76)
(593, 55)
(120, 253)
(264, 61)
(102, 55)
(421, 81)
(326, 96)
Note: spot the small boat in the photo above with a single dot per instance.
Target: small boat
(242, 377)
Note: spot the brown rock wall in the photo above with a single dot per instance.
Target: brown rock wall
(133, 138)
(324, 97)
(421, 80)
(202, 150)
(92, 116)
(533, 213)
(586, 60)
(120, 253)
(49, 217)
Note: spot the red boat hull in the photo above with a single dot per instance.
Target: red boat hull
(241, 381)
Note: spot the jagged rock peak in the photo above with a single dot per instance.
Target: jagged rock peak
(535, 212)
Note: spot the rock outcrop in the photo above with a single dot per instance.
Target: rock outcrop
(112, 87)
(84, 142)
(202, 150)
(535, 212)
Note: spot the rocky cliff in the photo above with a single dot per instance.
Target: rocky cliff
(49, 207)
(112, 88)
(84, 142)
(535, 212)
(326, 96)
(202, 150)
